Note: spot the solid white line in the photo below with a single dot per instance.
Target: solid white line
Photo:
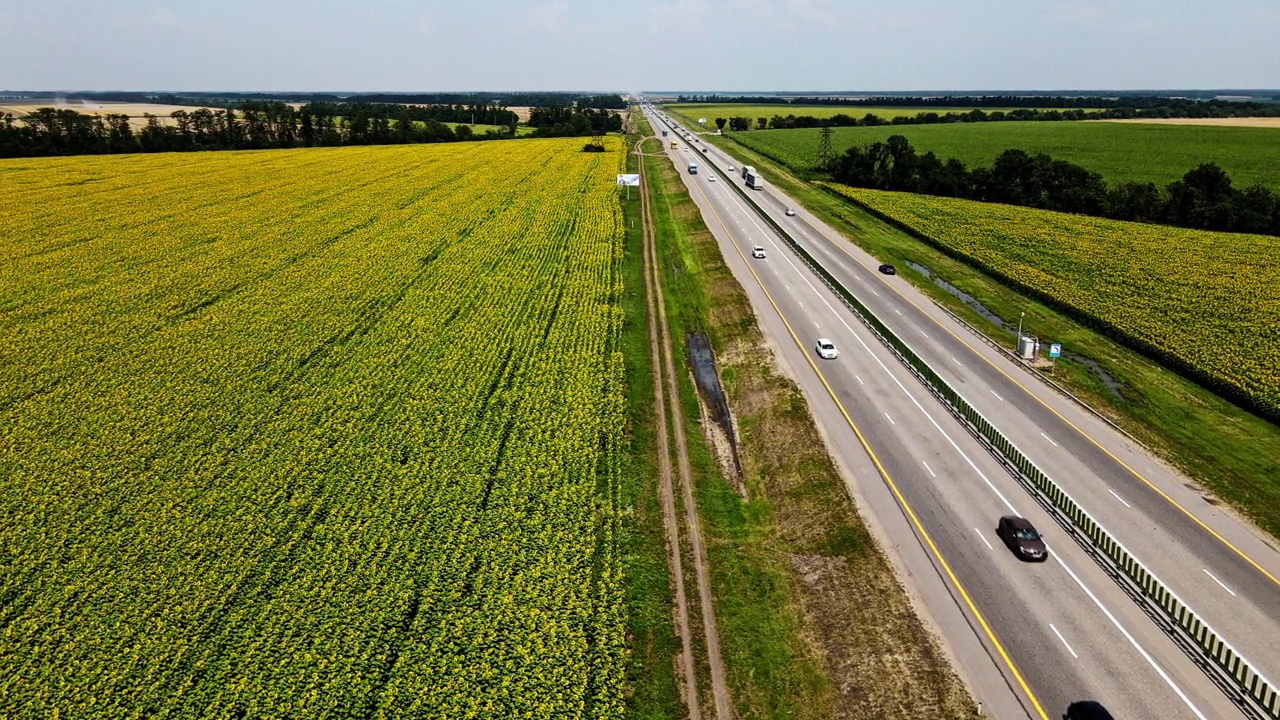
(1113, 493)
(815, 323)
(859, 377)
(1224, 587)
(897, 311)
(891, 422)
(1046, 437)
(926, 467)
(873, 292)
(1064, 641)
(957, 362)
(993, 392)
(926, 335)
(984, 538)
(1132, 642)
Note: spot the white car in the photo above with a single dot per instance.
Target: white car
(711, 178)
(827, 349)
(757, 252)
(732, 168)
(791, 212)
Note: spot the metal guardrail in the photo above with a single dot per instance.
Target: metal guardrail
(1256, 693)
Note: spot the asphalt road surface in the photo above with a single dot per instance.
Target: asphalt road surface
(1028, 638)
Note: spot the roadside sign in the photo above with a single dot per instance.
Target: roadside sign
(1055, 350)
(702, 121)
(629, 180)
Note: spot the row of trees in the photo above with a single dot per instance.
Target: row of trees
(234, 99)
(273, 124)
(573, 121)
(51, 131)
(1130, 106)
(1204, 198)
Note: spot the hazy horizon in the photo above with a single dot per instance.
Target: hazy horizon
(732, 45)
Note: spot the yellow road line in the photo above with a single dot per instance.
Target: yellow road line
(1088, 437)
(893, 486)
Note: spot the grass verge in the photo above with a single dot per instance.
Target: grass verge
(653, 692)
(813, 622)
(1232, 453)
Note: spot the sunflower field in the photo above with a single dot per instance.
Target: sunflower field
(1208, 302)
(318, 433)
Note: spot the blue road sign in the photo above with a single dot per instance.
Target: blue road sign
(1055, 350)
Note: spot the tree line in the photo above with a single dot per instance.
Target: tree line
(233, 99)
(573, 121)
(1203, 199)
(1144, 105)
(253, 125)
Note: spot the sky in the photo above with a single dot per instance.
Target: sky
(639, 45)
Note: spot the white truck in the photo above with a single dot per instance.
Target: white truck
(754, 181)
(747, 169)
(693, 168)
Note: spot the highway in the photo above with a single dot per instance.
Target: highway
(1028, 639)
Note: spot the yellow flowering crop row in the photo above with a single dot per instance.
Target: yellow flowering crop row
(1208, 301)
(312, 433)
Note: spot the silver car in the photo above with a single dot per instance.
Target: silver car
(827, 349)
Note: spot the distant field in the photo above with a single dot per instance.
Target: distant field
(1121, 152)
(135, 111)
(1207, 299)
(694, 111)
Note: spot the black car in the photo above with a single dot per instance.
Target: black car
(888, 269)
(1087, 710)
(1022, 538)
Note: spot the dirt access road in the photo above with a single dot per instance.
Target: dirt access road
(666, 383)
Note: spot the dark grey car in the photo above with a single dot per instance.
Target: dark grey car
(1087, 710)
(1022, 538)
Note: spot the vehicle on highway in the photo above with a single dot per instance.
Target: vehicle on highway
(711, 178)
(732, 168)
(704, 149)
(693, 168)
(1022, 538)
(1087, 710)
(888, 269)
(754, 181)
(827, 349)
(790, 212)
(757, 251)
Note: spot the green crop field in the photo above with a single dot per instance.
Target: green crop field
(312, 433)
(1207, 300)
(1120, 152)
(710, 111)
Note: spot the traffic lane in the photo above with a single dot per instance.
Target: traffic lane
(1241, 604)
(801, 312)
(976, 662)
(1095, 479)
(1027, 616)
(961, 515)
(1092, 438)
